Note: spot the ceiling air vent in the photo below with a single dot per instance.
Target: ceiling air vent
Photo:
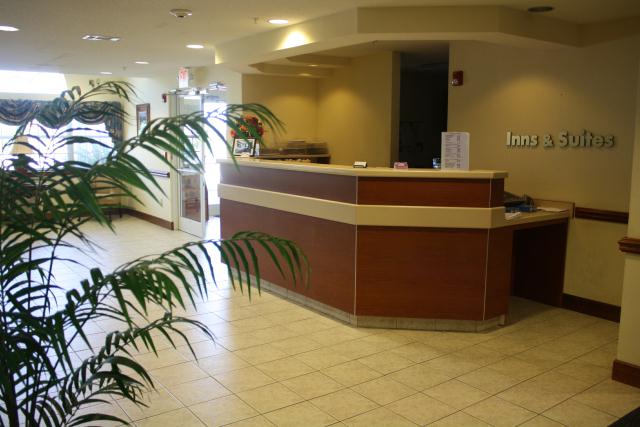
(98, 37)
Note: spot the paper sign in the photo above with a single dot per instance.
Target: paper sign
(455, 150)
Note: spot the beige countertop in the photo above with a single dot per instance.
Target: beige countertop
(366, 172)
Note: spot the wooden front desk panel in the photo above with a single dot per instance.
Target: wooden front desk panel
(407, 272)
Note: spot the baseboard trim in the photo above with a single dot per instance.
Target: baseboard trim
(149, 218)
(629, 245)
(602, 215)
(626, 373)
(591, 307)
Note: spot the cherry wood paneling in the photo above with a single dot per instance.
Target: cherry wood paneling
(629, 245)
(498, 289)
(591, 307)
(602, 215)
(497, 192)
(340, 188)
(626, 373)
(421, 272)
(330, 247)
(429, 192)
(538, 262)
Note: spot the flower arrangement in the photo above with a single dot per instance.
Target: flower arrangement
(251, 128)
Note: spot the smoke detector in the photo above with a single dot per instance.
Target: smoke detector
(181, 13)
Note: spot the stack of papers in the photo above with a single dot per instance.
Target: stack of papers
(512, 215)
(550, 209)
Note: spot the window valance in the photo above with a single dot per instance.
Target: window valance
(16, 111)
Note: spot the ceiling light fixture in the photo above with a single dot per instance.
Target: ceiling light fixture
(8, 28)
(313, 65)
(540, 9)
(181, 13)
(278, 21)
(106, 73)
(142, 62)
(195, 46)
(100, 38)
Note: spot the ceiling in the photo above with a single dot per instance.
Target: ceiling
(50, 30)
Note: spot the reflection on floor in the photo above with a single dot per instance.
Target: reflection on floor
(276, 363)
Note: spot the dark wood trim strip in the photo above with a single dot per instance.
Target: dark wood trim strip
(602, 215)
(629, 245)
(591, 307)
(149, 218)
(626, 373)
(160, 173)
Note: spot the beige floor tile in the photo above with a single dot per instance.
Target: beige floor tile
(543, 392)
(541, 421)
(302, 414)
(543, 358)
(459, 419)
(351, 373)
(573, 413)
(222, 411)
(178, 374)
(312, 385)
(180, 417)
(611, 397)
(334, 335)
(452, 365)
(355, 349)
(221, 363)
(258, 421)
(516, 368)
(585, 372)
(198, 391)
(417, 352)
(456, 394)
(383, 390)
(386, 362)
(308, 326)
(164, 358)
(419, 377)
(269, 397)
(601, 357)
(488, 380)
(243, 379)
(499, 413)
(240, 341)
(445, 342)
(158, 402)
(202, 350)
(284, 369)
(322, 358)
(296, 345)
(107, 409)
(260, 354)
(380, 417)
(421, 409)
(479, 355)
(344, 404)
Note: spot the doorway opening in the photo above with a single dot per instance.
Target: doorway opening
(424, 85)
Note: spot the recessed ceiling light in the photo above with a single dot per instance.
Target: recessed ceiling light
(142, 62)
(540, 9)
(8, 28)
(181, 13)
(100, 38)
(106, 73)
(313, 65)
(195, 46)
(278, 21)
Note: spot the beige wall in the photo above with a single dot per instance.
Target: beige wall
(292, 100)
(629, 344)
(358, 110)
(534, 91)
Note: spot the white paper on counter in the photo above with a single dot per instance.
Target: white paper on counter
(455, 150)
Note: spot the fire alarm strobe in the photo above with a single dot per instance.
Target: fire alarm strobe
(457, 78)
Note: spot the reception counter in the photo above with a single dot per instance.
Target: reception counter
(420, 249)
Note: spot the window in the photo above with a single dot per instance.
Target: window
(32, 82)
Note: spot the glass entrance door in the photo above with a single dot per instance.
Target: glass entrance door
(191, 185)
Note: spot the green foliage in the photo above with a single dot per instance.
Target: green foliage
(42, 210)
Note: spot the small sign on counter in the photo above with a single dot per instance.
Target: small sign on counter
(455, 150)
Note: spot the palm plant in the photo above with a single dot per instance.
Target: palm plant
(43, 206)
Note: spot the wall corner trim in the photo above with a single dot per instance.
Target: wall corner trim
(629, 245)
(626, 373)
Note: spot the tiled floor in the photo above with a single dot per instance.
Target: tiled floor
(276, 363)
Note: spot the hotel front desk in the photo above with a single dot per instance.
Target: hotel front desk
(412, 248)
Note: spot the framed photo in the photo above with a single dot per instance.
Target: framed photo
(243, 146)
(142, 116)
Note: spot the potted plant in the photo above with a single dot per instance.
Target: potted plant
(43, 205)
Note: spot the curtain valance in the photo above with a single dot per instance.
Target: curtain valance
(16, 111)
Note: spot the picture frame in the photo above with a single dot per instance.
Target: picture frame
(143, 115)
(244, 146)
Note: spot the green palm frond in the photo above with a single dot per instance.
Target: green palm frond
(43, 206)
